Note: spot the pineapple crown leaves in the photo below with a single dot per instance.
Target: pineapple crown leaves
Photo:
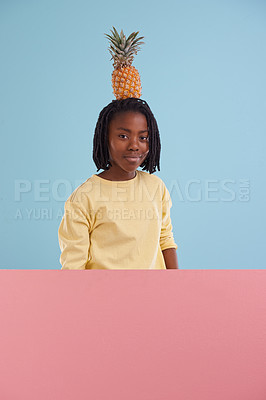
(122, 49)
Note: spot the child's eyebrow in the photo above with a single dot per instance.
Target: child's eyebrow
(128, 130)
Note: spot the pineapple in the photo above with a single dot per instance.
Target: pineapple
(125, 77)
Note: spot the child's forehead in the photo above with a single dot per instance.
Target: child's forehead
(129, 116)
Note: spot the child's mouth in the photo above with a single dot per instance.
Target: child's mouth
(133, 159)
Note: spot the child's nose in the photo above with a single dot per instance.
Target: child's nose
(133, 144)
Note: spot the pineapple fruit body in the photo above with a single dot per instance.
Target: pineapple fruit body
(126, 83)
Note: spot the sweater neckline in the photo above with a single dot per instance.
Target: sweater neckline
(108, 182)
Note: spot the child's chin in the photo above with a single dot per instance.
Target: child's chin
(131, 168)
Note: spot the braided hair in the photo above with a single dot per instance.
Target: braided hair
(100, 140)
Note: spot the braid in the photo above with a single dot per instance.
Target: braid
(100, 140)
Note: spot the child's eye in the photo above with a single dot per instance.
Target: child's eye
(144, 138)
(122, 136)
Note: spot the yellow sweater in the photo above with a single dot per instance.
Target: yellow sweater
(117, 224)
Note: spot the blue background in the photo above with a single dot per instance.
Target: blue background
(203, 74)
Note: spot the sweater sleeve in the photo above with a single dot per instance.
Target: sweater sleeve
(73, 235)
(166, 237)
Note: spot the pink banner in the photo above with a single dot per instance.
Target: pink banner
(133, 335)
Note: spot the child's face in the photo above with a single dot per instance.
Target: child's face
(128, 141)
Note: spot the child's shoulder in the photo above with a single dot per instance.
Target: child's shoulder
(150, 178)
(83, 189)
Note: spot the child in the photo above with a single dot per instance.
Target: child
(120, 218)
